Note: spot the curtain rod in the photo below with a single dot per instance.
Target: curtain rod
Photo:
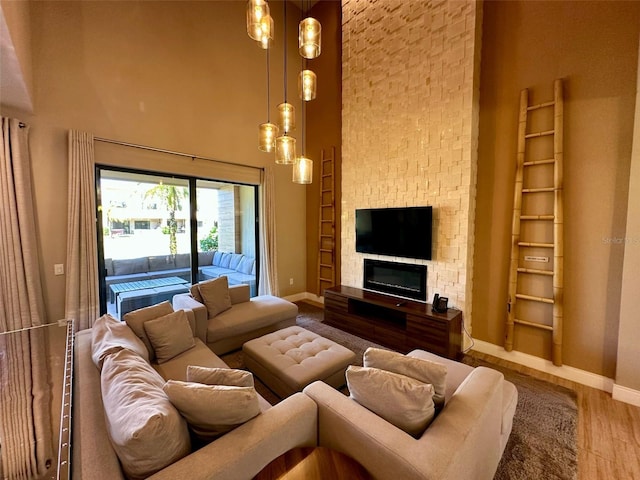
(171, 152)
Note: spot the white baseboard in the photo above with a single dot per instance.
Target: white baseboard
(626, 395)
(304, 296)
(570, 373)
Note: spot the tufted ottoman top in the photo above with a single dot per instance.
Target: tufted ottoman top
(294, 357)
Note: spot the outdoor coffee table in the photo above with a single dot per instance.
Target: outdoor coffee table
(118, 288)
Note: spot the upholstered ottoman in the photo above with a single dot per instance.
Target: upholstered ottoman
(290, 359)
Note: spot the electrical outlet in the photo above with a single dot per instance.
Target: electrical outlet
(58, 269)
(291, 281)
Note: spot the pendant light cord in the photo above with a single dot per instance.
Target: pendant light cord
(285, 50)
(268, 89)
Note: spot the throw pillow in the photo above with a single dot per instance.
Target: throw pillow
(402, 401)
(194, 290)
(136, 320)
(225, 260)
(219, 376)
(418, 368)
(212, 410)
(170, 335)
(235, 260)
(215, 294)
(246, 265)
(108, 336)
(145, 429)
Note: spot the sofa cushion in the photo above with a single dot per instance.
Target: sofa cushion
(402, 401)
(246, 265)
(424, 370)
(163, 262)
(169, 335)
(145, 429)
(236, 258)
(217, 258)
(205, 258)
(213, 410)
(108, 336)
(194, 290)
(183, 260)
(130, 265)
(219, 376)
(225, 260)
(215, 294)
(200, 354)
(108, 266)
(136, 319)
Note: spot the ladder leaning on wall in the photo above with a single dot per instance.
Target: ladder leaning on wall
(326, 272)
(535, 284)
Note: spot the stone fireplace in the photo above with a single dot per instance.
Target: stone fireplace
(399, 279)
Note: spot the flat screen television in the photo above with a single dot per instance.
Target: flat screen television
(397, 232)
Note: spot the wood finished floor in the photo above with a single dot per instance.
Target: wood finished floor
(608, 430)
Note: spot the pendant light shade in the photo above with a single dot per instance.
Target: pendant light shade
(256, 11)
(303, 171)
(286, 117)
(268, 134)
(309, 38)
(285, 150)
(307, 85)
(266, 31)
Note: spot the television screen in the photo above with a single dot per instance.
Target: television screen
(398, 232)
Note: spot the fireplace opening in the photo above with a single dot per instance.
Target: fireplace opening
(398, 279)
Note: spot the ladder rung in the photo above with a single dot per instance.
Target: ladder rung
(533, 163)
(535, 271)
(327, 175)
(541, 105)
(327, 265)
(327, 190)
(326, 236)
(534, 244)
(326, 221)
(326, 279)
(537, 217)
(538, 190)
(522, 296)
(534, 325)
(326, 250)
(326, 205)
(539, 134)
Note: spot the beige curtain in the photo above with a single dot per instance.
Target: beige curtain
(82, 298)
(25, 414)
(268, 281)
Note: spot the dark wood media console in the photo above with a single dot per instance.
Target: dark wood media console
(394, 322)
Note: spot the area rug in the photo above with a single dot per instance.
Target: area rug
(542, 445)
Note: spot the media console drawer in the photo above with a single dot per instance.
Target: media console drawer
(400, 324)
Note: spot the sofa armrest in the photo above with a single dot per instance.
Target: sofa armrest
(239, 293)
(462, 442)
(243, 452)
(184, 301)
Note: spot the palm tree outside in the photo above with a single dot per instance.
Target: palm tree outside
(171, 198)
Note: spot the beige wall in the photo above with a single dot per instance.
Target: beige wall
(593, 46)
(627, 372)
(17, 16)
(324, 131)
(181, 76)
(408, 128)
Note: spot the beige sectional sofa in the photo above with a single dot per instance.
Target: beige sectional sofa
(465, 441)
(247, 318)
(241, 453)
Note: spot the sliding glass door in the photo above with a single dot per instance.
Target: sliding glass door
(159, 234)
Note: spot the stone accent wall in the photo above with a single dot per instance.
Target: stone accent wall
(409, 131)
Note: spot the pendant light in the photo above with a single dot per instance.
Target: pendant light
(256, 11)
(285, 144)
(307, 85)
(309, 38)
(266, 32)
(303, 168)
(268, 131)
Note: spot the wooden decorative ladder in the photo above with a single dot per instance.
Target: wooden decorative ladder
(538, 289)
(326, 273)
